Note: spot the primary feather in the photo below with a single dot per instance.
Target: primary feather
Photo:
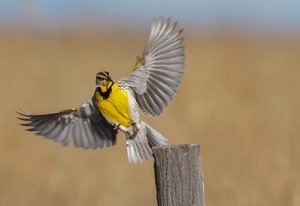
(156, 80)
(86, 127)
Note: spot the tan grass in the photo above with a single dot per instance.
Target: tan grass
(240, 99)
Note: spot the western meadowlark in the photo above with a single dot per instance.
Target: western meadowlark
(115, 105)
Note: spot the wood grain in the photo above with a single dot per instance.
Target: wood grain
(178, 175)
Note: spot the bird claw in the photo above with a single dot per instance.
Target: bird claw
(130, 132)
(121, 128)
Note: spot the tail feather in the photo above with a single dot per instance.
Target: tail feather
(138, 151)
(139, 146)
(154, 137)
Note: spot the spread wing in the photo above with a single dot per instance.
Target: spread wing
(158, 73)
(86, 127)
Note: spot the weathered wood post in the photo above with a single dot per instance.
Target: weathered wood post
(178, 175)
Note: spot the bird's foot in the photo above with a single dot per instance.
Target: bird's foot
(121, 128)
(133, 130)
(130, 132)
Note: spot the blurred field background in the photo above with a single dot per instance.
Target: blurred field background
(239, 99)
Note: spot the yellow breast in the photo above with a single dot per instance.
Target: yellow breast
(115, 108)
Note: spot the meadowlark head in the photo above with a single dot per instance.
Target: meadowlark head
(104, 81)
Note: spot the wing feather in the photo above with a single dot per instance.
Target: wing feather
(155, 82)
(85, 126)
(63, 137)
(90, 138)
(56, 131)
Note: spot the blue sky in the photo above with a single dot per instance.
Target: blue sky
(263, 14)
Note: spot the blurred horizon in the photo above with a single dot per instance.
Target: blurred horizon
(280, 17)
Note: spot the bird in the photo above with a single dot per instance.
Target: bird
(116, 104)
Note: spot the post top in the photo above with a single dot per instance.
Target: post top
(175, 146)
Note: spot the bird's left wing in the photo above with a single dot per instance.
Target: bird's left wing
(158, 72)
(85, 126)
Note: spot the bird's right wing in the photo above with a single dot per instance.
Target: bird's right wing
(85, 126)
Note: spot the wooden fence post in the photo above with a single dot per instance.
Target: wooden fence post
(178, 175)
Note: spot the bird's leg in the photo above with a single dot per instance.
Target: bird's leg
(116, 126)
(135, 127)
(132, 131)
(129, 131)
(121, 128)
